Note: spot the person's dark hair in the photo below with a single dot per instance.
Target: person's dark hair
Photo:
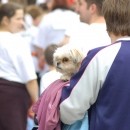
(117, 16)
(48, 53)
(9, 9)
(62, 4)
(98, 3)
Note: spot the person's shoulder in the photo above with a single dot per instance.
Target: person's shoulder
(4, 35)
(47, 19)
(104, 51)
(6, 38)
(51, 15)
(72, 15)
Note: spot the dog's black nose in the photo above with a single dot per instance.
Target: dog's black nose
(58, 63)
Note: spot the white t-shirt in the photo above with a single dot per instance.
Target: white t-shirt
(94, 35)
(48, 78)
(53, 26)
(15, 59)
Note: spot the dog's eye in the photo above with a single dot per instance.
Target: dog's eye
(65, 59)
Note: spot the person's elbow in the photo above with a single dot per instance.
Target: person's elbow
(70, 116)
(66, 119)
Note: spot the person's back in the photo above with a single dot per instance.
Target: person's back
(113, 99)
(110, 111)
(96, 36)
(92, 36)
(54, 25)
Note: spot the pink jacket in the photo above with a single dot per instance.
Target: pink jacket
(47, 106)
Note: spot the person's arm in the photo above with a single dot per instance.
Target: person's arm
(64, 41)
(32, 88)
(40, 43)
(83, 91)
(40, 55)
(85, 85)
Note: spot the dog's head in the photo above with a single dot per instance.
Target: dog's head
(67, 59)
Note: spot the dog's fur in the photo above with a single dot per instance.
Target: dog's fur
(67, 61)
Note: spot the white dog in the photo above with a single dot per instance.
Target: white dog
(67, 61)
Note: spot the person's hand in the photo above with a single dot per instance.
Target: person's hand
(31, 113)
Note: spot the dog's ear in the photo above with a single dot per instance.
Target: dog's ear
(79, 55)
(78, 65)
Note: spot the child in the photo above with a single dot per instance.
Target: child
(52, 75)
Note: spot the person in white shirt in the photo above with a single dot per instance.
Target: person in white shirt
(53, 26)
(33, 16)
(91, 36)
(18, 84)
(52, 74)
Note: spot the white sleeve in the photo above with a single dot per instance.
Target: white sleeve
(85, 85)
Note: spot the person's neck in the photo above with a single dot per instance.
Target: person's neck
(51, 68)
(114, 37)
(97, 19)
(3, 29)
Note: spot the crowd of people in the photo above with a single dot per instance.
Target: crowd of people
(31, 31)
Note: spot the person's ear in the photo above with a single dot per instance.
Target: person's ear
(5, 21)
(93, 8)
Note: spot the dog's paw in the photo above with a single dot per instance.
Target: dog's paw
(64, 78)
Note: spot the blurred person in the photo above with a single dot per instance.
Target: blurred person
(102, 80)
(18, 84)
(36, 13)
(53, 25)
(52, 74)
(75, 31)
(95, 34)
(33, 16)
